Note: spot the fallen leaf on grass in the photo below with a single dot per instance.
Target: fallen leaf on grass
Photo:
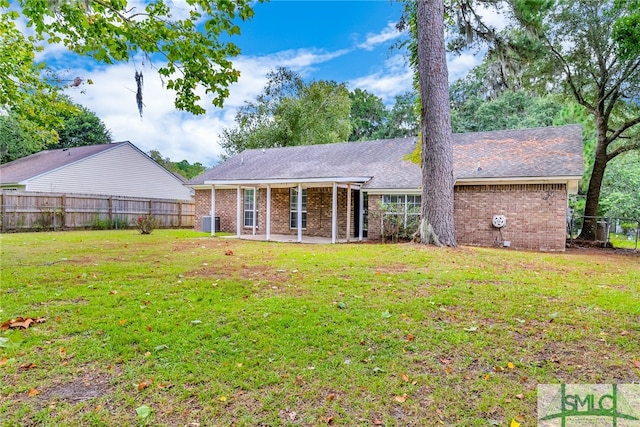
(21, 322)
(122, 322)
(329, 419)
(410, 337)
(514, 423)
(636, 363)
(377, 422)
(3, 361)
(228, 252)
(405, 377)
(142, 385)
(331, 396)
(143, 411)
(498, 368)
(401, 399)
(27, 366)
(33, 392)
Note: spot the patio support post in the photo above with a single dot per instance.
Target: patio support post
(361, 215)
(253, 209)
(238, 210)
(348, 211)
(268, 225)
(299, 218)
(334, 213)
(213, 211)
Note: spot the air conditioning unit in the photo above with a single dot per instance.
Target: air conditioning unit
(206, 224)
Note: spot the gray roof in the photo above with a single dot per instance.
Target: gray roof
(26, 168)
(36, 164)
(507, 154)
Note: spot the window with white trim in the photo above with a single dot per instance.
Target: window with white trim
(250, 206)
(293, 208)
(406, 207)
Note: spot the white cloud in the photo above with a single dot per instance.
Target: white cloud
(390, 32)
(394, 78)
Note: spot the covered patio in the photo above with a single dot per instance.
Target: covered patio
(346, 216)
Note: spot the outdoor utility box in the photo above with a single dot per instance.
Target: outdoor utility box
(206, 224)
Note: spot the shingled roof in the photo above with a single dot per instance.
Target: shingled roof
(507, 154)
(29, 167)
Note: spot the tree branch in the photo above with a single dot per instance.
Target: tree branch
(626, 125)
(623, 149)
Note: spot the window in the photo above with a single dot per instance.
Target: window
(406, 207)
(250, 207)
(293, 208)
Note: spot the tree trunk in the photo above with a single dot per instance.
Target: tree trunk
(595, 183)
(437, 223)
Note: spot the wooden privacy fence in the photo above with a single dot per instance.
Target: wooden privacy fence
(26, 211)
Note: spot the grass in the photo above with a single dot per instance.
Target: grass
(220, 332)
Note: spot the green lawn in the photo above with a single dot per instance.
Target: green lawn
(218, 332)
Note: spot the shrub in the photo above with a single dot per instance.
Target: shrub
(146, 224)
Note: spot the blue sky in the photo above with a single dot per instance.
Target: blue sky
(346, 41)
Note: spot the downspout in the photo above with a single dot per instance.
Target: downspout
(268, 225)
(213, 211)
(238, 209)
(334, 213)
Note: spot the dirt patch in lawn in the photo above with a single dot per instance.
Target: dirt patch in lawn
(88, 385)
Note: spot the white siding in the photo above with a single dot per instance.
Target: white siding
(121, 171)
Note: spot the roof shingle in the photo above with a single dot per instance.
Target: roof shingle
(506, 154)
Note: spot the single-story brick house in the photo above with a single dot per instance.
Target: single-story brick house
(524, 175)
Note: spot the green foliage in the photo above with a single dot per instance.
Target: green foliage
(290, 112)
(81, 127)
(183, 167)
(626, 30)
(74, 126)
(404, 118)
(621, 187)
(146, 224)
(25, 91)
(191, 53)
(368, 114)
(510, 110)
(15, 141)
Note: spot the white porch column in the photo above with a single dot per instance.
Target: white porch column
(238, 211)
(213, 211)
(268, 225)
(348, 211)
(361, 215)
(334, 214)
(253, 209)
(299, 218)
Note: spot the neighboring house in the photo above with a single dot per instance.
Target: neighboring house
(118, 169)
(524, 175)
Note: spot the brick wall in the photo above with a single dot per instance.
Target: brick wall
(535, 213)
(225, 209)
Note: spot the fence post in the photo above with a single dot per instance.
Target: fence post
(180, 214)
(110, 207)
(3, 212)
